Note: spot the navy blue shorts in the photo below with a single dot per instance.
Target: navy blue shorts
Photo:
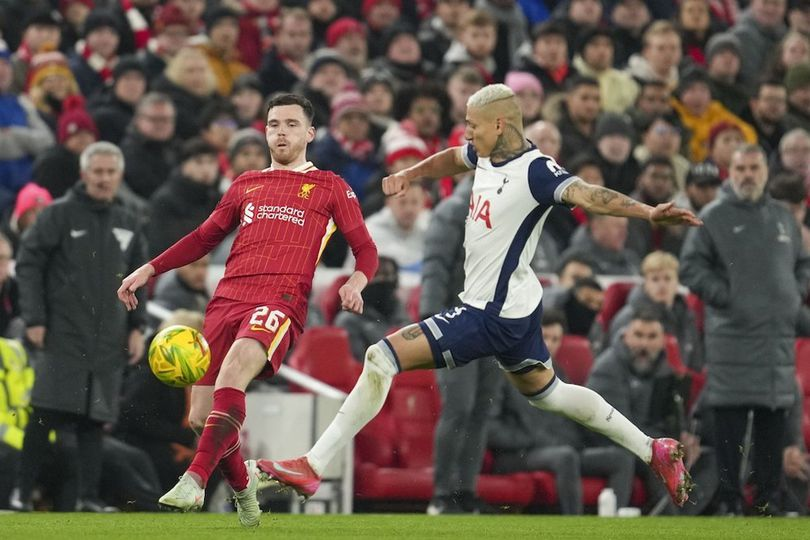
(462, 334)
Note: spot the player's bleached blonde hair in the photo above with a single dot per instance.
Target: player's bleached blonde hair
(489, 94)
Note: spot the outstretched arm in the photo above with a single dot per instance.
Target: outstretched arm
(601, 200)
(448, 162)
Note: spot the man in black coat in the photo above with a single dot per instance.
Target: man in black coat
(114, 108)
(70, 260)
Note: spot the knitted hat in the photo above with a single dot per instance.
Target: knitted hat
(74, 118)
(30, 196)
(245, 82)
(169, 15)
(48, 63)
(397, 29)
(125, 65)
(100, 18)
(341, 27)
(720, 43)
(703, 174)
(197, 146)
(321, 57)
(797, 77)
(519, 81)
(692, 76)
(242, 138)
(399, 144)
(43, 17)
(720, 127)
(614, 124)
(368, 4)
(346, 102)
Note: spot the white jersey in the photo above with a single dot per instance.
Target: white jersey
(509, 204)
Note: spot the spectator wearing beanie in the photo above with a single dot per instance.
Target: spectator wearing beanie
(114, 108)
(699, 112)
(257, 24)
(529, 94)
(187, 198)
(797, 83)
(283, 65)
(171, 29)
(347, 149)
(594, 58)
(723, 64)
(58, 167)
(222, 30)
(31, 200)
(347, 36)
(42, 32)
(247, 151)
(379, 16)
(327, 76)
(401, 151)
(96, 55)
(50, 82)
(24, 134)
(248, 102)
(614, 136)
(74, 13)
(724, 138)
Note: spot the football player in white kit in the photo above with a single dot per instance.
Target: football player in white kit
(514, 189)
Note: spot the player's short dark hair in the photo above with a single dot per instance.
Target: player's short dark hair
(554, 316)
(292, 99)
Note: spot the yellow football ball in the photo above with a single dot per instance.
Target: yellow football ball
(179, 356)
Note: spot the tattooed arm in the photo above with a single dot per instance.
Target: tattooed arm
(601, 200)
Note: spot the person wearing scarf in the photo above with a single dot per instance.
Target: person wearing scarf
(41, 33)
(96, 55)
(50, 82)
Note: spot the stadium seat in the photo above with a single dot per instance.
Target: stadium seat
(323, 352)
(329, 301)
(803, 378)
(575, 358)
(615, 297)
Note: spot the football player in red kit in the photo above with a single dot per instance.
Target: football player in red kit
(285, 216)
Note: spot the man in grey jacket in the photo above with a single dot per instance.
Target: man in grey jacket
(70, 264)
(748, 266)
(460, 437)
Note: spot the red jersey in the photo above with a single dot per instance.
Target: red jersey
(284, 220)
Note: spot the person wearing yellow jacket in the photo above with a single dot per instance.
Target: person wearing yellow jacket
(699, 112)
(16, 381)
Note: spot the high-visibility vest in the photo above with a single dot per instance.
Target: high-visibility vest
(16, 381)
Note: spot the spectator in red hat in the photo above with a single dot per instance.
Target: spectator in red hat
(171, 29)
(257, 24)
(23, 134)
(58, 167)
(379, 15)
(31, 200)
(95, 57)
(50, 82)
(283, 66)
(401, 151)
(724, 139)
(42, 32)
(347, 149)
(348, 37)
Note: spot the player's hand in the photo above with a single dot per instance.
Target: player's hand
(133, 282)
(396, 184)
(135, 346)
(796, 463)
(36, 336)
(669, 214)
(351, 299)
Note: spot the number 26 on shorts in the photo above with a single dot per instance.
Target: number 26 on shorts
(265, 320)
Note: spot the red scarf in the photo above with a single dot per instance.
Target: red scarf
(99, 64)
(137, 23)
(358, 150)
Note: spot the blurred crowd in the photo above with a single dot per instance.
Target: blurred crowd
(651, 98)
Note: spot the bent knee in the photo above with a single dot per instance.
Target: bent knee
(196, 421)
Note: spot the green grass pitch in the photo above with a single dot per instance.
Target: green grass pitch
(380, 526)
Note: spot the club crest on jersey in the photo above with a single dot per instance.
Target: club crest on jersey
(479, 210)
(306, 190)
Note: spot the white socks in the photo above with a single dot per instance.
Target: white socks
(363, 403)
(585, 406)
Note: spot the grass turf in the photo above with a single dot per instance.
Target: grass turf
(416, 527)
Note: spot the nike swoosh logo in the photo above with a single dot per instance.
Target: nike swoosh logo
(738, 229)
(77, 234)
(286, 470)
(254, 188)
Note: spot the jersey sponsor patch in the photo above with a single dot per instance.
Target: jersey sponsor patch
(350, 194)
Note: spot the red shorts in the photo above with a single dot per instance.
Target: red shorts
(227, 320)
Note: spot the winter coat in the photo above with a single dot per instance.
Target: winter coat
(25, 135)
(188, 105)
(617, 89)
(112, 116)
(148, 163)
(701, 126)
(748, 266)
(56, 170)
(70, 264)
(757, 45)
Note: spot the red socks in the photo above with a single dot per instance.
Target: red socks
(219, 443)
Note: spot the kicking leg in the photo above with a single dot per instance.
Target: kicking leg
(545, 391)
(219, 442)
(405, 350)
